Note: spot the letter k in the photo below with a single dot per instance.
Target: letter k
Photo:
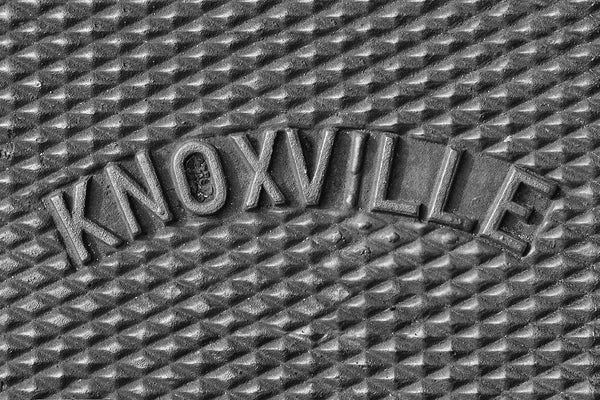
(71, 225)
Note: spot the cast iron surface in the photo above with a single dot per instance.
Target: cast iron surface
(281, 300)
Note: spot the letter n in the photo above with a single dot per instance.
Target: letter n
(122, 185)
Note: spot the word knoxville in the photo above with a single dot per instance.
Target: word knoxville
(209, 195)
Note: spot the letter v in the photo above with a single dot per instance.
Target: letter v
(310, 191)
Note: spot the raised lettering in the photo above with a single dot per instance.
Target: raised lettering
(382, 176)
(504, 203)
(259, 166)
(310, 191)
(441, 190)
(354, 171)
(71, 225)
(122, 186)
(182, 187)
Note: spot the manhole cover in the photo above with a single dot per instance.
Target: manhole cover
(299, 199)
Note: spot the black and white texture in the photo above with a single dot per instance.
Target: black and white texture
(292, 302)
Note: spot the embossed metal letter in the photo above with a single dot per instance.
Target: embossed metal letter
(259, 165)
(310, 191)
(71, 225)
(122, 185)
(441, 190)
(182, 187)
(503, 203)
(382, 176)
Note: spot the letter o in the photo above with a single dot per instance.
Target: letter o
(182, 187)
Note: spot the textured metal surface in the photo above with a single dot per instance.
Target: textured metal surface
(286, 301)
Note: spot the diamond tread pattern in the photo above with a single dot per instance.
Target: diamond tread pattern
(386, 308)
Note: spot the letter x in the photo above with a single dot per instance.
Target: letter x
(259, 165)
